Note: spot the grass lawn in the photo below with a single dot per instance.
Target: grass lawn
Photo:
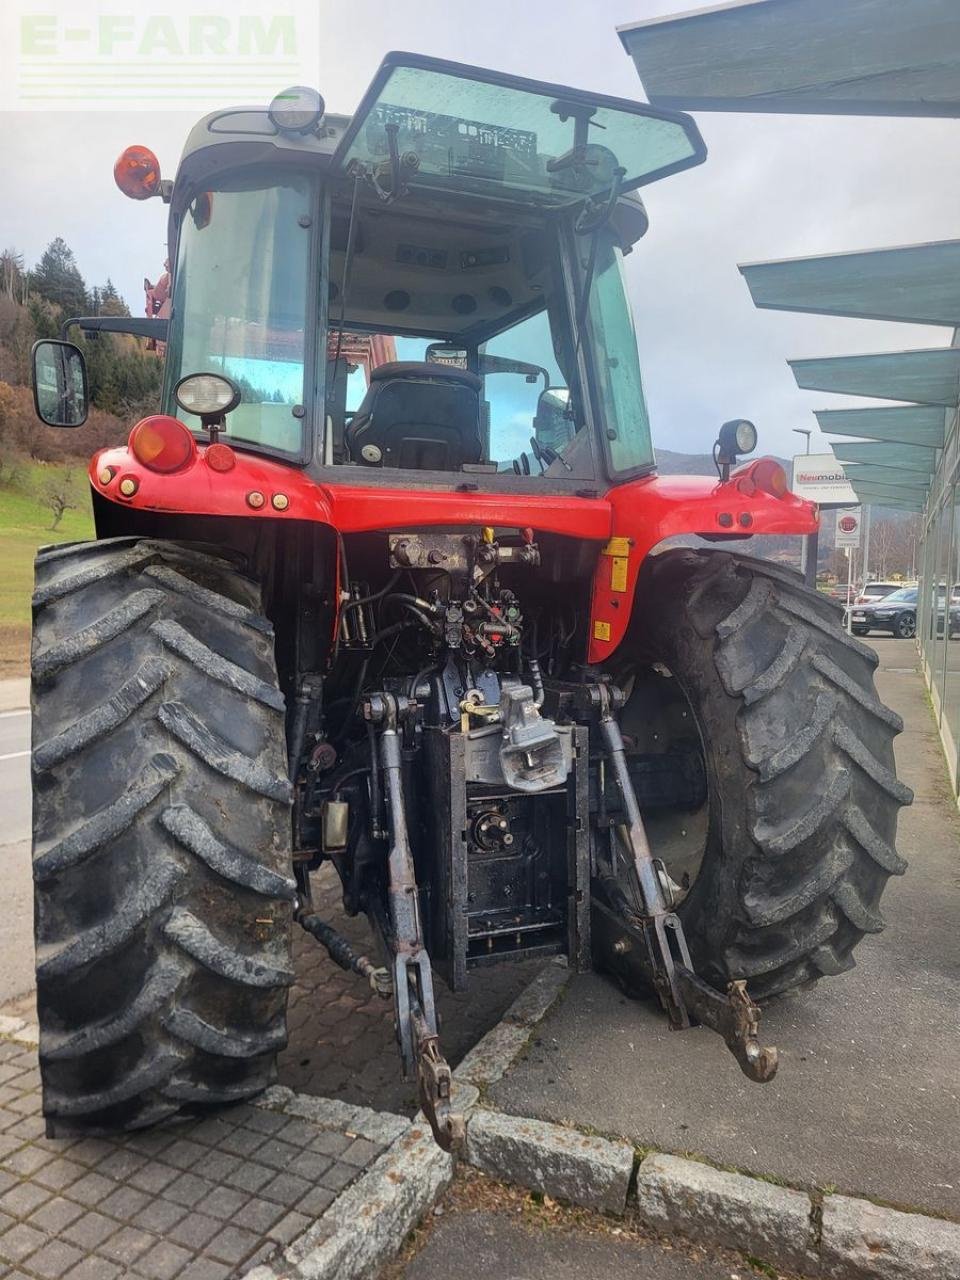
(25, 526)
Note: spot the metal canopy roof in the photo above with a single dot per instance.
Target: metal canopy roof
(923, 377)
(912, 493)
(919, 283)
(908, 456)
(869, 473)
(891, 498)
(859, 57)
(898, 504)
(903, 424)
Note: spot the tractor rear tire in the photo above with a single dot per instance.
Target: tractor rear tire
(802, 794)
(161, 860)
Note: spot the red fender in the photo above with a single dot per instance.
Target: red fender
(647, 511)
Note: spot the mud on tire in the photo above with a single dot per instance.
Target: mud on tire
(161, 834)
(803, 798)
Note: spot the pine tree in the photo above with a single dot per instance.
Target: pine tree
(111, 304)
(57, 279)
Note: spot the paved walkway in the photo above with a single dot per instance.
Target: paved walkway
(868, 1093)
(200, 1199)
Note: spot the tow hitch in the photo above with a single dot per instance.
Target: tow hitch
(643, 936)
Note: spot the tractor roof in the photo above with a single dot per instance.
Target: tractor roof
(242, 136)
(462, 131)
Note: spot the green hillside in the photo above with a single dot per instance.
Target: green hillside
(24, 526)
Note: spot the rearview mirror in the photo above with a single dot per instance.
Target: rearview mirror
(503, 364)
(553, 425)
(60, 394)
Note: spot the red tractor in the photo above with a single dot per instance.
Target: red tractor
(383, 585)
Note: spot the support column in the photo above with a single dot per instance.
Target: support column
(865, 564)
(811, 549)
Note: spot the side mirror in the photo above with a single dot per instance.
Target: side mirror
(553, 425)
(60, 395)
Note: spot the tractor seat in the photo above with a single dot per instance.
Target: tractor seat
(418, 416)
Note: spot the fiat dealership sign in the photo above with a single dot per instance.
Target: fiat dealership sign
(848, 528)
(819, 477)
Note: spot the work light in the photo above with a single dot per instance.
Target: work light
(297, 110)
(736, 437)
(207, 394)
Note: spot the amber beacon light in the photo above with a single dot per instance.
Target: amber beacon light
(137, 173)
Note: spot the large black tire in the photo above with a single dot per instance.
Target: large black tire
(803, 798)
(161, 834)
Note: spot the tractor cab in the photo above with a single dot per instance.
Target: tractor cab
(433, 286)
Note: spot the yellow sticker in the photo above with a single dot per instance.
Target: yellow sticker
(601, 630)
(617, 547)
(618, 573)
(619, 551)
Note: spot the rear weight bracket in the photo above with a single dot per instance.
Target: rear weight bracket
(652, 939)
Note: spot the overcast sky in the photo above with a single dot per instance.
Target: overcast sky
(772, 187)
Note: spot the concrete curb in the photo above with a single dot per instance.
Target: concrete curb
(551, 1159)
(841, 1237)
(367, 1224)
(491, 1057)
(773, 1223)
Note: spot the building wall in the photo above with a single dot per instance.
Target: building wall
(940, 655)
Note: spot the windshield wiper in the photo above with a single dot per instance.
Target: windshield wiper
(591, 220)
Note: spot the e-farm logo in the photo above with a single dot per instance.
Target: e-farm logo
(179, 56)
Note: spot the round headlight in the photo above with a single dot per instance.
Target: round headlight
(296, 110)
(207, 394)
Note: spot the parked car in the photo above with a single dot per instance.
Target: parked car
(896, 614)
(877, 591)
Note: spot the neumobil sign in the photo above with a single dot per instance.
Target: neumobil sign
(97, 55)
(819, 477)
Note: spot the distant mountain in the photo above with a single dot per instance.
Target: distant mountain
(696, 464)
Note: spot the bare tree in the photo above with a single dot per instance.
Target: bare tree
(883, 542)
(58, 494)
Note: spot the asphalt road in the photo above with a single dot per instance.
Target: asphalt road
(14, 776)
(475, 1245)
(16, 919)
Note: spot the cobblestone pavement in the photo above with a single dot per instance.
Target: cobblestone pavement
(196, 1200)
(341, 1035)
